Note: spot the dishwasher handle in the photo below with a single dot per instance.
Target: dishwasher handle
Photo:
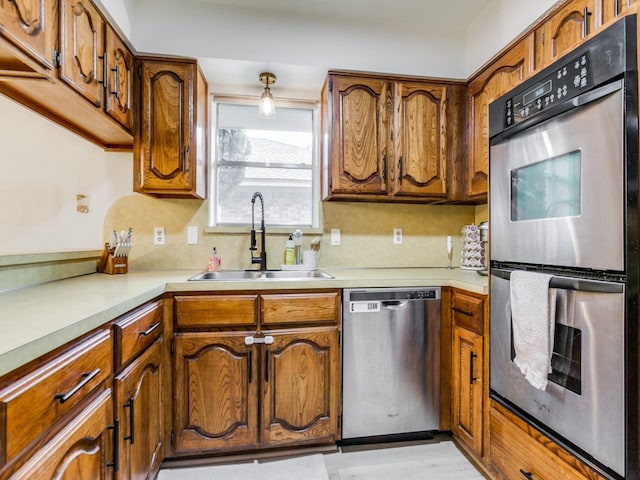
(394, 304)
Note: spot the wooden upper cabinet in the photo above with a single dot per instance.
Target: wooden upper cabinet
(170, 156)
(361, 143)
(30, 25)
(421, 140)
(564, 30)
(612, 9)
(119, 71)
(388, 138)
(82, 49)
(496, 80)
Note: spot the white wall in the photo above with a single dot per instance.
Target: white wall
(496, 26)
(44, 167)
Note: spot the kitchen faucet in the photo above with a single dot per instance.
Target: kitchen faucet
(262, 259)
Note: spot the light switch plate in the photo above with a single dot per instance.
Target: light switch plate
(192, 235)
(158, 236)
(335, 236)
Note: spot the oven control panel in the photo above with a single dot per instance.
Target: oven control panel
(564, 82)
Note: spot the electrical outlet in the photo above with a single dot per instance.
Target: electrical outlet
(158, 236)
(192, 235)
(335, 236)
(397, 236)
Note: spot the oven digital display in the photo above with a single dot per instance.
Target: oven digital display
(547, 189)
(536, 93)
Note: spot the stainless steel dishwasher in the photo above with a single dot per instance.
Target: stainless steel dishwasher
(391, 361)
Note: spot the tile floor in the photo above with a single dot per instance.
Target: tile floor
(438, 459)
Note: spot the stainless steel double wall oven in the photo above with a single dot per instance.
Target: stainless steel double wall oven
(564, 201)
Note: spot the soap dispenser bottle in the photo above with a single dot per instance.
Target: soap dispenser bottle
(290, 252)
(214, 261)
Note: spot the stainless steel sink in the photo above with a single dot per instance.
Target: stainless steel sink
(245, 275)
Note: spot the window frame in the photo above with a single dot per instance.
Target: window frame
(311, 105)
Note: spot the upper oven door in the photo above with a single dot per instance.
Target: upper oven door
(557, 188)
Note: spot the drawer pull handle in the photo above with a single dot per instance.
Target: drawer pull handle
(86, 378)
(463, 312)
(116, 446)
(131, 436)
(527, 475)
(148, 331)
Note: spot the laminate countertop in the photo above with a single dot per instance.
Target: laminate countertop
(38, 319)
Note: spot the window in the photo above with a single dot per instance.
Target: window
(276, 157)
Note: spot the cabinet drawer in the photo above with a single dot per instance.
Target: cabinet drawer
(208, 310)
(468, 312)
(31, 406)
(292, 308)
(514, 451)
(136, 331)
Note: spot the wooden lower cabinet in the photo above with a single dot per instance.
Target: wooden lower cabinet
(139, 402)
(299, 401)
(468, 387)
(216, 392)
(82, 450)
(469, 370)
(519, 451)
(224, 386)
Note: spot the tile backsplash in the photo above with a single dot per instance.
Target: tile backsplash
(366, 234)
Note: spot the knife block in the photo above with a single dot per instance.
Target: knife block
(110, 264)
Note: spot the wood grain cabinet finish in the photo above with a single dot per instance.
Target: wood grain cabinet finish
(82, 49)
(519, 451)
(274, 384)
(387, 139)
(469, 370)
(569, 26)
(139, 409)
(496, 80)
(216, 392)
(233, 310)
(32, 407)
(85, 68)
(170, 151)
(136, 331)
(612, 9)
(119, 75)
(31, 26)
(82, 450)
(300, 401)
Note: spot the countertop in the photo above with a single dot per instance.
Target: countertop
(35, 320)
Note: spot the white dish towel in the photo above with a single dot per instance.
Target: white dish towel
(533, 311)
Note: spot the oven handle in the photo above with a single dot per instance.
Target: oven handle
(566, 283)
(558, 109)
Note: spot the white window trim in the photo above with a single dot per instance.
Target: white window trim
(316, 226)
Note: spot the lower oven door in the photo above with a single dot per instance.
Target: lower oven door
(583, 403)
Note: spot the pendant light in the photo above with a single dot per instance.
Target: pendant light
(266, 108)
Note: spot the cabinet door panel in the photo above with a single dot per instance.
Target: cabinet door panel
(31, 25)
(497, 80)
(81, 450)
(567, 28)
(139, 408)
(421, 140)
(611, 9)
(165, 122)
(301, 387)
(467, 387)
(216, 391)
(82, 47)
(120, 79)
(361, 136)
